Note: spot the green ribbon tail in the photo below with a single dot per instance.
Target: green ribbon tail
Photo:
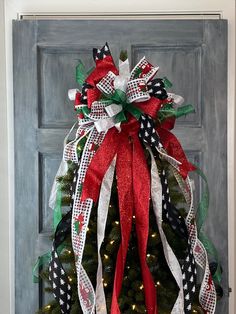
(80, 73)
(41, 261)
(57, 212)
(171, 112)
(184, 110)
(202, 212)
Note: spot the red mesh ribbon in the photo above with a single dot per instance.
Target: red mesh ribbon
(174, 149)
(133, 182)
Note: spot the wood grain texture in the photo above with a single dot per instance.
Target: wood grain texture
(192, 54)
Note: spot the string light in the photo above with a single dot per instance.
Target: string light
(88, 229)
(133, 216)
(106, 256)
(141, 287)
(112, 241)
(117, 222)
(194, 311)
(158, 283)
(47, 307)
(148, 255)
(105, 284)
(154, 235)
(133, 307)
(70, 279)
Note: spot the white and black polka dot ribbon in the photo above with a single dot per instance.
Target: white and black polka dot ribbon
(149, 136)
(156, 88)
(62, 289)
(84, 98)
(99, 54)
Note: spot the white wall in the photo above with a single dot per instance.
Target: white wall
(12, 7)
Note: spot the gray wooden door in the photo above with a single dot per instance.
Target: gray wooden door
(192, 54)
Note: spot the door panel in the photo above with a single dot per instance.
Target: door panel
(192, 54)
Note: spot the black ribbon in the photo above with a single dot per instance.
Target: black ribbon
(62, 289)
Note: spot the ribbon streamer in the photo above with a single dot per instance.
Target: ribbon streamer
(103, 205)
(156, 194)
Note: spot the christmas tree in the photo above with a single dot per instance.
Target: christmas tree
(174, 232)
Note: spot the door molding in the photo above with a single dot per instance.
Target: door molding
(157, 15)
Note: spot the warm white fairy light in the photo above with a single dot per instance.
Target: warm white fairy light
(112, 241)
(106, 256)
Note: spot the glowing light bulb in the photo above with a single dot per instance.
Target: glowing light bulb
(106, 256)
(117, 222)
(148, 255)
(141, 287)
(133, 307)
(105, 284)
(158, 283)
(112, 241)
(154, 235)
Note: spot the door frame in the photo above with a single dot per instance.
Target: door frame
(7, 177)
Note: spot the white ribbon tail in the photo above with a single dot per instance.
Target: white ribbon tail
(103, 205)
(62, 170)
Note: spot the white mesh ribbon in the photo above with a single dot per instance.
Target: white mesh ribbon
(171, 259)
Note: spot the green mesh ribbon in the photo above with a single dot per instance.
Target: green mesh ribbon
(202, 212)
(41, 262)
(168, 111)
(57, 213)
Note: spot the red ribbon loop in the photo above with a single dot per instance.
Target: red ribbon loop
(174, 149)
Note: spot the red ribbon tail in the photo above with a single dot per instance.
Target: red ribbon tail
(99, 165)
(141, 188)
(124, 185)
